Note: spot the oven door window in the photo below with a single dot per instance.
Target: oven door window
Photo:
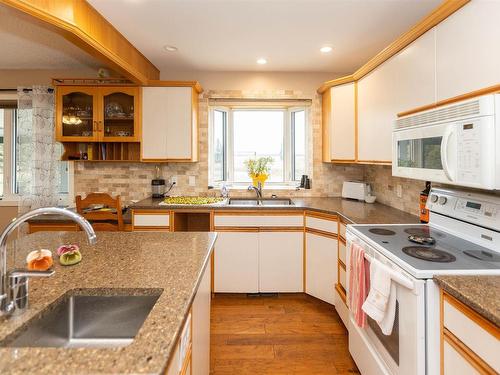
(390, 342)
(420, 153)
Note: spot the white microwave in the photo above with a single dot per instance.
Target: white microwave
(457, 144)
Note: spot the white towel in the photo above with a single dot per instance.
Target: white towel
(380, 304)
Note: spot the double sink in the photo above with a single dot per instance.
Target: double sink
(86, 321)
(260, 202)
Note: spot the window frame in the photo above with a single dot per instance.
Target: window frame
(289, 178)
(10, 196)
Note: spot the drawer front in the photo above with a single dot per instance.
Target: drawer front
(454, 363)
(322, 224)
(342, 277)
(342, 228)
(342, 252)
(472, 334)
(342, 309)
(259, 221)
(185, 339)
(151, 220)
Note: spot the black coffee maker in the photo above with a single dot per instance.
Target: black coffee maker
(158, 185)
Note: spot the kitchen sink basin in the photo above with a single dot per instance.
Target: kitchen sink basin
(86, 321)
(261, 202)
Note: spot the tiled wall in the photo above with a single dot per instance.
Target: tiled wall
(132, 180)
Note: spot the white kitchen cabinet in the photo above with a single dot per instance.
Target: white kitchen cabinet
(321, 267)
(339, 123)
(281, 261)
(236, 268)
(467, 49)
(405, 81)
(201, 326)
(169, 124)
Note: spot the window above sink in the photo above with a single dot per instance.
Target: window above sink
(238, 133)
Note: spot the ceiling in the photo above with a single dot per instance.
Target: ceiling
(28, 45)
(230, 35)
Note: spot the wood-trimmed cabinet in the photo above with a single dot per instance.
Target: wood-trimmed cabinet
(261, 252)
(321, 256)
(339, 123)
(98, 114)
(469, 343)
(170, 123)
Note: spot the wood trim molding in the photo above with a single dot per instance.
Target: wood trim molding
(81, 24)
(321, 215)
(443, 11)
(473, 94)
(326, 118)
(258, 229)
(237, 229)
(322, 233)
(341, 291)
(472, 358)
(159, 83)
(293, 212)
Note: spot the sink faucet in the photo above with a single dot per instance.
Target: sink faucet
(257, 189)
(14, 284)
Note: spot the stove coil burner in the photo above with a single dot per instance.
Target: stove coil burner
(422, 240)
(429, 254)
(488, 256)
(422, 232)
(382, 231)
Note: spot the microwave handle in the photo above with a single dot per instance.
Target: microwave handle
(444, 151)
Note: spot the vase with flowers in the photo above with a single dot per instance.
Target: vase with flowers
(258, 169)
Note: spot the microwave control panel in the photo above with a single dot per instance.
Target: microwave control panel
(469, 151)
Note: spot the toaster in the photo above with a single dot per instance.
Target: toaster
(355, 190)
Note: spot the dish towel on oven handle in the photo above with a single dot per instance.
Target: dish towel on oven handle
(358, 279)
(380, 305)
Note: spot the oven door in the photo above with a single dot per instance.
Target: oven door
(425, 153)
(402, 352)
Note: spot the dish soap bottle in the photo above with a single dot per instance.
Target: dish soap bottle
(424, 212)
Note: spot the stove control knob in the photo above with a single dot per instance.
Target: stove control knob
(434, 198)
(442, 200)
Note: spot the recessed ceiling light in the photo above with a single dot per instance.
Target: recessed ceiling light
(261, 61)
(170, 48)
(326, 49)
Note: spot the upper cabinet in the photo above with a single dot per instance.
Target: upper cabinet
(467, 50)
(339, 114)
(407, 80)
(170, 123)
(97, 114)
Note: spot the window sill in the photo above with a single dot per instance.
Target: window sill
(9, 202)
(244, 187)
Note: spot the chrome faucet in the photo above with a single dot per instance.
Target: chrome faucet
(14, 284)
(257, 189)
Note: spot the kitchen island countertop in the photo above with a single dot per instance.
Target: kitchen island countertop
(138, 262)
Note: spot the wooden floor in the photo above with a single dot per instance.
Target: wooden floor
(287, 334)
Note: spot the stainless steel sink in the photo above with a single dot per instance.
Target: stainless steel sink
(261, 202)
(86, 321)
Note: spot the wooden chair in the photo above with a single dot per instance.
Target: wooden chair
(101, 220)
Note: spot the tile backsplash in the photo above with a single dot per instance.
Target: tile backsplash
(132, 181)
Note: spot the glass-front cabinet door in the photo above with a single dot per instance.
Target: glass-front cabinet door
(77, 114)
(119, 114)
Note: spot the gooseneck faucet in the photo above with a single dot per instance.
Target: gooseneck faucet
(257, 189)
(14, 284)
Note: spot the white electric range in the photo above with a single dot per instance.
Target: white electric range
(462, 238)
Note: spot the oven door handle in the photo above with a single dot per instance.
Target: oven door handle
(397, 277)
(444, 151)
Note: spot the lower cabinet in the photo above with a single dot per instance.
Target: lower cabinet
(191, 354)
(281, 261)
(236, 262)
(321, 266)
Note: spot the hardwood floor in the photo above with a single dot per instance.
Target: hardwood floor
(289, 334)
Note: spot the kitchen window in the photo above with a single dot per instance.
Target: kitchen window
(238, 134)
(10, 178)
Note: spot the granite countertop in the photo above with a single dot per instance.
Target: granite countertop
(480, 293)
(139, 261)
(352, 211)
(127, 218)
